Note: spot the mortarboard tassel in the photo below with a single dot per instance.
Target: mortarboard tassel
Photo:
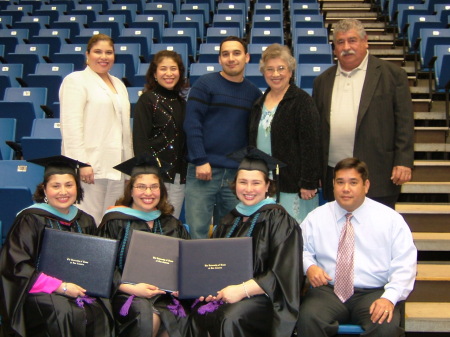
(86, 299)
(176, 308)
(126, 306)
(209, 307)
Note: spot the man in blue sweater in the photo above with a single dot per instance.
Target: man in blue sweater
(216, 125)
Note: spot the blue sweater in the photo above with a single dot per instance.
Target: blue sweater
(217, 116)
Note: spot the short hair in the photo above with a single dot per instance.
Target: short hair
(347, 24)
(352, 163)
(163, 204)
(274, 51)
(272, 187)
(234, 38)
(157, 59)
(39, 193)
(96, 38)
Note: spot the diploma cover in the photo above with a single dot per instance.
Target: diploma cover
(195, 268)
(86, 260)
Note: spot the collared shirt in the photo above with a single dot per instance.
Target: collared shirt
(345, 101)
(385, 255)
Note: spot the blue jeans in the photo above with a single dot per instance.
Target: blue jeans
(208, 199)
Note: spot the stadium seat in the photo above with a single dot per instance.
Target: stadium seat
(267, 35)
(197, 8)
(72, 22)
(143, 36)
(208, 52)
(230, 21)
(267, 21)
(10, 38)
(7, 133)
(255, 50)
(174, 3)
(199, 69)
(5, 82)
(13, 71)
(53, 11)
(318, 53)
(32, 23)
(267, 8)
(128, 53)
(253, 74)
(154, 21)
(442, 66)
(71, 53)
(416, 23)
(405, 10)
(86, 34)
(307, 21)
(133, 95)
(20, 173)
(307, 72)
(196, 21)
(54, 38)
(29, 55)
(37, 96)
(115, 22)
(127, 9)
(17, 11)
(119, 70)
(304, 8)
(233, 8)
(6, 21)
(45, 139)
(91, 10)
(182, 35)
(160, 8)
(140, 76)
(137, 4)
(216, 35)
(430, 38)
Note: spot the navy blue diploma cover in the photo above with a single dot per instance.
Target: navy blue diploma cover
(193, 267)
(86, 260)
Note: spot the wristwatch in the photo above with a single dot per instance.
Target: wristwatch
(64, 287)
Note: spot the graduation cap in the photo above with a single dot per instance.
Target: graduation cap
(59, 165)
(144, 163)
(251, 158)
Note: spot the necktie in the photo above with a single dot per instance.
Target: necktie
(343, 285)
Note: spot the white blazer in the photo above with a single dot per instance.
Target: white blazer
(95, 122)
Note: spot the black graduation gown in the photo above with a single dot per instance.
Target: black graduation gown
(139, 321)
(42, 314)
(278, 270)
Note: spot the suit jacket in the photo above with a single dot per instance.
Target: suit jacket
(384, 135)
(95, 122)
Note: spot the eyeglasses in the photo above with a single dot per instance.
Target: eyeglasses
(280, 70)
(143, 188)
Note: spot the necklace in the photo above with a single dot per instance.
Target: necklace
(250, 230)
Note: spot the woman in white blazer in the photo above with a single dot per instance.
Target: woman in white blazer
(95, 126)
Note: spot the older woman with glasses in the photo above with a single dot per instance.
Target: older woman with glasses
(142, 309)
(284, 123)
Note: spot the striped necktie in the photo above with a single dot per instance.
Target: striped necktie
(343, 285)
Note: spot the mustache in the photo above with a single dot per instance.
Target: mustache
(347, 52)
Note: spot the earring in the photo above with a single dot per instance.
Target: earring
(46, 199)
(156, 80)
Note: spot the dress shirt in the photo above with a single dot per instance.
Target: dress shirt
(385, 255)
(345, 101)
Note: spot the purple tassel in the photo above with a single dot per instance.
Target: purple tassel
(86, 299)
(209, 307)
(195, 303)
(126, 306)
(176, 308)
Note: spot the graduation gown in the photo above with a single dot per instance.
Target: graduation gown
(139, 321)
(278, 270)
(42, 314)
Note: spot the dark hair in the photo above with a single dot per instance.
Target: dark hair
(272, 187)
(96, 38)
(234, 38)
(163, 204)
(157, 59)
(39, 193)
(353, 163)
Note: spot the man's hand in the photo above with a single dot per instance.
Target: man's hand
(317, 276)
(401, 175)
(87, 175)
(382, 309)
(203, 172)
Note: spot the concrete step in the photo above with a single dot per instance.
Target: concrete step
(432, 241)
(348, 5)
(421, 104)
(432, 283)
(429, 115)
(427, 317)
(426, 187)
(431, 170)
(425, 217)
(432, 147)
(429, 134)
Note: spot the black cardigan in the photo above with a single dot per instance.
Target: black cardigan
(295, 136)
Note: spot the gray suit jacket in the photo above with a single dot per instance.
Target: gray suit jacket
(384, 135)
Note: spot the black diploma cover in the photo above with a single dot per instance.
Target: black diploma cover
(86, 260)
(195, 268)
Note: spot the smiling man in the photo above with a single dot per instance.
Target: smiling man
(366, 112)
(359, 257)
(216, 124)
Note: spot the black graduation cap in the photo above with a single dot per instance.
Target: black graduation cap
(58, 165)
(144, 163)
(251, 158)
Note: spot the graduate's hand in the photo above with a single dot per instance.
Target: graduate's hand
(307, 194)
(317, 276)
(141, 290)
(87, 175)
(72, 290)
(381, 309)
(208, 298)
(231, 294)
(175, 293)
(203, 172)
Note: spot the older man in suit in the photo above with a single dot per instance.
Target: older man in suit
(366, 112)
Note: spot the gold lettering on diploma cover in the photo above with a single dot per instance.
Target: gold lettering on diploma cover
(77, 262)
(162, 260)
(215, 266)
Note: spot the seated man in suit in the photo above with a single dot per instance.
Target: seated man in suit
(359, 257)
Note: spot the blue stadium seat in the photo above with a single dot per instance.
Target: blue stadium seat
(307, 72)
(442, 66)
(140, 76)
(267, 21)
(17, 11)
(142, 36)
(199, 69)
(72, 22)
(179, 35)
(29, 55)
(91, 10)
(16, 173)
(405, 10)
(45, 139)
(208, 52)
(13, 71)
(6, 21)
(115, 22)
(133, 96)
(180, 48)
(32, 23)
(128, 53)
(197, 8)
(416, 23)
(430, 38)
(392, 10)
(36, 96)
(35, 4)
(196, 21)
(10, 38)
(86, 33)
(154, 21)
(216, 35)
(119, 70)
(127, 9)
(71, 53)
(53, 11)
(7, 133)
(233, 8)
(442, 11)
(229, 21)
(69, 3)
(267, 35)
(255, 50)
(318, 53)
(307, 21)
(304, 8)
(267, 8)
(138, 5)
(160, 8)
(104, 3)
(212, 4)
(174, 3)
(253, 74)
(55, 38)
(23, 113)
(5, 82)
